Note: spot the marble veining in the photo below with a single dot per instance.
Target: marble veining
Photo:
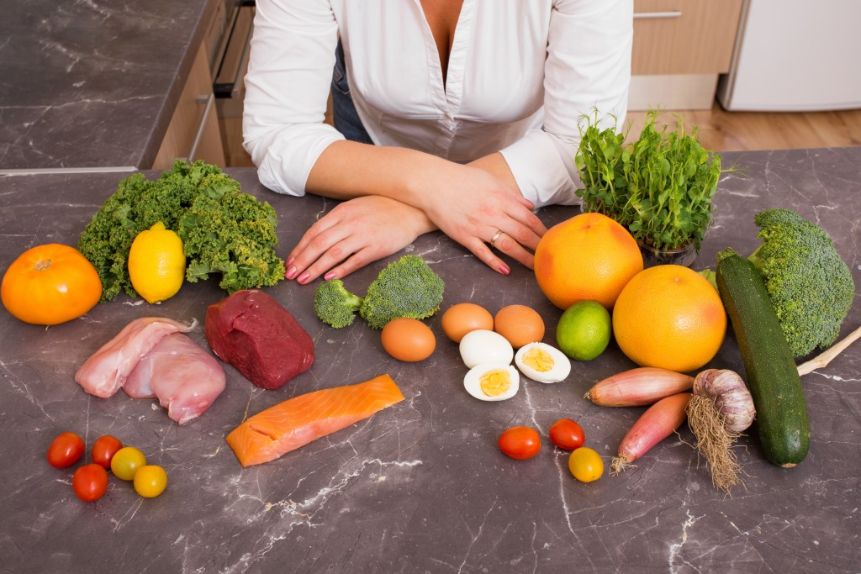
(90, 83)
(420, 487)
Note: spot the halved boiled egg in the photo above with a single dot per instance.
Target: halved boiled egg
(542, 363)
(492, 381)
(483, 346)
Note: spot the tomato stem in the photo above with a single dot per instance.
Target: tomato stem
(43, 264)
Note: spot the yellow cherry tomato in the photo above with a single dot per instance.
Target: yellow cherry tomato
(585, 464)
(126, 462)
(150, 481)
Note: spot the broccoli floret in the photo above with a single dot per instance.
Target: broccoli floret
(810, 286)
(405, 288)
(334, 305)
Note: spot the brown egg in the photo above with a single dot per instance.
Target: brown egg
(460, 319)
(519, 324)
(408, 340)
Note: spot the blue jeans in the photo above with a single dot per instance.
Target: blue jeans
(343, 109)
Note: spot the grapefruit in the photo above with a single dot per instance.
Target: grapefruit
(588, 257)
(670, 317)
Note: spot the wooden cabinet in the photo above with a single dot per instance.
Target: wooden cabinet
(680, 48)
(193, 132)
(684, 36)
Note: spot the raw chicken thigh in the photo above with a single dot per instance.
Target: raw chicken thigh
(185, 378)
(106, 370)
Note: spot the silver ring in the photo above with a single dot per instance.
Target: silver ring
(496, 237)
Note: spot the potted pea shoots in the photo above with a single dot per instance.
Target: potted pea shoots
(659, 187)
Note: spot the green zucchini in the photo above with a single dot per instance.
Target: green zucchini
(781, 413)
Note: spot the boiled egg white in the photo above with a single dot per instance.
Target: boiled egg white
(483, 346)
(543, 363)
(492, 381)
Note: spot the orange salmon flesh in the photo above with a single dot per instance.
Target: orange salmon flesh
(300, 420)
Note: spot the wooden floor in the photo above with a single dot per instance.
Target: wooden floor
(720, 130)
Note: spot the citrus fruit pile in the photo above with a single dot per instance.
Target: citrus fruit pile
(666, 316)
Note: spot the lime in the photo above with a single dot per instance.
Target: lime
(583, 331)
(157, 263)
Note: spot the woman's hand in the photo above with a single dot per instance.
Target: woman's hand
(478, 210)
(353, 234)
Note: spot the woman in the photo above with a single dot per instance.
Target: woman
(473, 106)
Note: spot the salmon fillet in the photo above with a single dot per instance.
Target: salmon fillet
(300, 420)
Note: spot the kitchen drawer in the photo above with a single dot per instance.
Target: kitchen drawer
(229, 86)
(684, 36)
(193, 131)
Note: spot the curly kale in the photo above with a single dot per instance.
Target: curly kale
(810, 286)
(223, 230)
(404, 288)
(335, 305)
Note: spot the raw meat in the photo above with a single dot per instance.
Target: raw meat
(185, 378)
(300, 420)
(254, 333)
(106, 370)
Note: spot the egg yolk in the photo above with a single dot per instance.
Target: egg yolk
(538, 359)
(494, 383)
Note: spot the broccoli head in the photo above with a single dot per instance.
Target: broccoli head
(810, 286)
(405, 288)
(334, 305)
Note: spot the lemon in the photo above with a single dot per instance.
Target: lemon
(584, 330)
(157, 263)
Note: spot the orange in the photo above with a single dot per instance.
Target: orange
(588, 257)
(670, 317)
(50, 284)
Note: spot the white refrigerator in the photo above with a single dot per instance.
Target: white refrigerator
(796, 55)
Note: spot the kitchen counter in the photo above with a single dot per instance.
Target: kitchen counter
(92, 83)
(421, 486)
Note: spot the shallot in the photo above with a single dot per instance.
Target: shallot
(720, 409)
(657, 423)
(638, 387)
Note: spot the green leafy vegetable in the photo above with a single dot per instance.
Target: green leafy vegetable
(659, 187)
(223, 230)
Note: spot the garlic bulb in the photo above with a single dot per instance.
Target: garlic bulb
(730, 395)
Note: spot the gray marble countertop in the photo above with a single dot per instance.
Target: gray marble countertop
(92, 83)
(421, 486)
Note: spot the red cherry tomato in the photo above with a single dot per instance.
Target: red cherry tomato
(104, 449)
(520, 443)
(567, 434)
(65, 450)
(90, 482)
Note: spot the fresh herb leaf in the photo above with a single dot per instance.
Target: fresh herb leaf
(660, 187)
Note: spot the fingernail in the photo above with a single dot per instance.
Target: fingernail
(329, 276)
(291, 272)
(304, 278)
(503, 269)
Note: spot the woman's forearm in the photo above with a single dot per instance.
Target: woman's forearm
(349, 169)
(495, 165)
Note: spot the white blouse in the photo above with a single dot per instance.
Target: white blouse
(521, 73)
